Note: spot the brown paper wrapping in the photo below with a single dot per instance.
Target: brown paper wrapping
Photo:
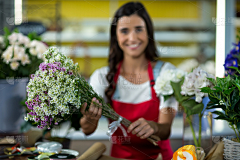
(94, 152)
(216, 153)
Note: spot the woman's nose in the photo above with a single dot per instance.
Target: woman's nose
(132, 36)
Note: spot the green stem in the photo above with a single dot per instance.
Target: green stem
(193, 132)
(235, 131)
(200, 129)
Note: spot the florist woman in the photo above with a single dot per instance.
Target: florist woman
(127, 83)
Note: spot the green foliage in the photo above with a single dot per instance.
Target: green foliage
(190, 105)
(226, 96)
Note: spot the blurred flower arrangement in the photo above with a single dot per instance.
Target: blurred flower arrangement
(20, 55)
(186, 88)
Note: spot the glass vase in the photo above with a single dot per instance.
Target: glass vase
(192, 132)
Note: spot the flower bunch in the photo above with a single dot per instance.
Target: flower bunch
(193, 83)
(53, 90)
(19, 54)
(163, 86)
(56, 91)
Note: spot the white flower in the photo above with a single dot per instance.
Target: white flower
(25, 59)
(194, 81)
(163, 84)
(7, 54)
(14, 65)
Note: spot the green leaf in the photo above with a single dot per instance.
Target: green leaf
(234, 98)
(212, 80)
(223, 107)
(177, 89)
(229, 91)
(213, 99)
(167, 97)
(235, 68)
(206, 90)
(232, 114)
(218, 89)
(184, 98)
(191, 107)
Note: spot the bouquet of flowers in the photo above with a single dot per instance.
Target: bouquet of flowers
(20, 55)
(56, 91)
(187, 90)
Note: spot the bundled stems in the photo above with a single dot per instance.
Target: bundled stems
(87, 93)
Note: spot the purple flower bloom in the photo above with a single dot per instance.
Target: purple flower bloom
(63, 69)
(56, 123)
(30, 107)
(38, 126)
(37, 119)
(70, 73)
(42, 66)
(230, 61)
(32, 76)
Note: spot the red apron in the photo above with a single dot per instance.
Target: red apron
(132, 147)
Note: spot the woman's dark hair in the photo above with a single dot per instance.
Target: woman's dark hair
(116, 53)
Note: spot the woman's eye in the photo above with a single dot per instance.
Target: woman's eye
(138, 29)
(124, 31)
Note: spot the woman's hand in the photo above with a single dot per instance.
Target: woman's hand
(94, 112)
(143, 128)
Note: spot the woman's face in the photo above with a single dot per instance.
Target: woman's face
(132, 35)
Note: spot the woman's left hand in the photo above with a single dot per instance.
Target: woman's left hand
(143, 128)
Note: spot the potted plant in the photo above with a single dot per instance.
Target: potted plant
(225, 96)
(20, 56)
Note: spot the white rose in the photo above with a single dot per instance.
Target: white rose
(33, 51)
(7, 54)
(13, 38)
(14, 65)
(25, 59)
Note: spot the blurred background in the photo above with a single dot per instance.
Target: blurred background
(184, 31)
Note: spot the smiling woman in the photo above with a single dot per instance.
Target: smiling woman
(132, 35)
(127, 84)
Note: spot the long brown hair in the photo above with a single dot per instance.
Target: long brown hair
(116, 53)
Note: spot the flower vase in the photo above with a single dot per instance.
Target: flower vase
(12, 92)
(205, 131)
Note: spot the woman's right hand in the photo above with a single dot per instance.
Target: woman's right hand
(94, 112)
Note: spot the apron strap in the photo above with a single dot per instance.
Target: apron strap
(117, 73)
(152, 81)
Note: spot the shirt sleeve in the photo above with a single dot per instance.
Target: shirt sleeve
(171, 102)
(98, 81)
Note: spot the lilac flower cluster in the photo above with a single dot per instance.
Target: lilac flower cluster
(52, 90)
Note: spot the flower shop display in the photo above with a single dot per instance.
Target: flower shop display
(186, 89)
(19, 57)
(56, 91)
(225, 98)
